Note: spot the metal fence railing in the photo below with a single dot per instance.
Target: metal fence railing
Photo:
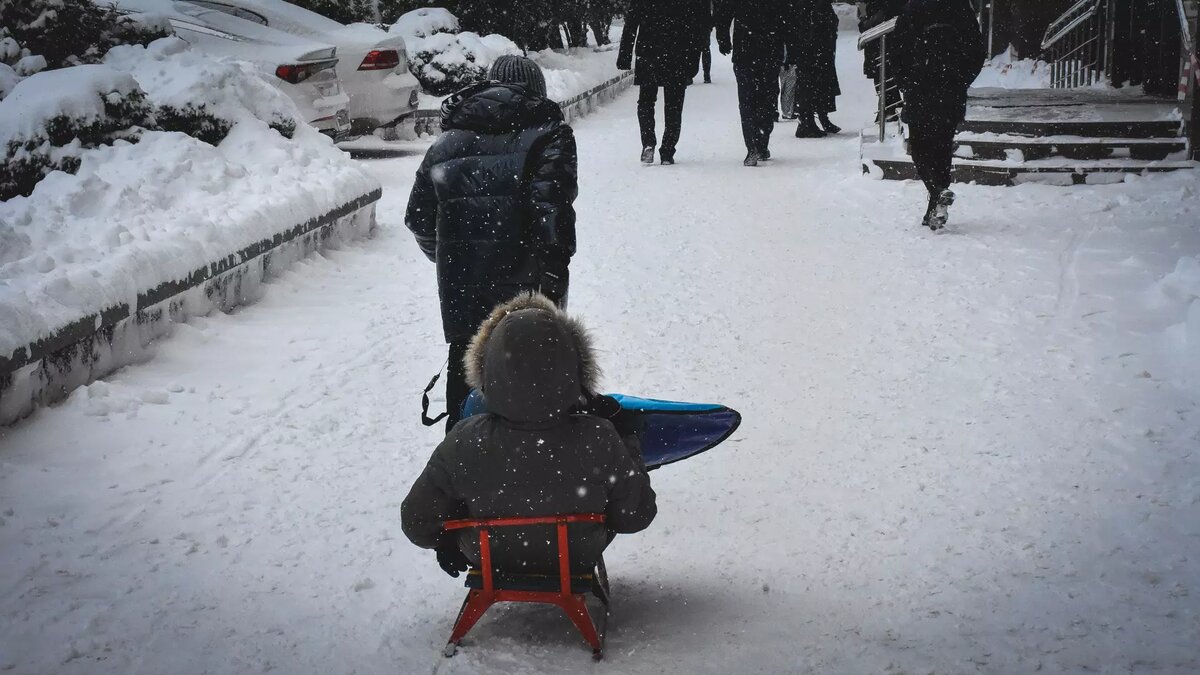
(887, 87)
(1076, 44)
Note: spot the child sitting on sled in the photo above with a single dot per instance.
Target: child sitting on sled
(533, 453)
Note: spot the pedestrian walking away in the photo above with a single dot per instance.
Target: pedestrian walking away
(817, 86)
(940, 52)
(760, 31)
(492, 204)
(667, 38)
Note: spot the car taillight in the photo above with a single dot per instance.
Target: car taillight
(297, 73)
(380, 59)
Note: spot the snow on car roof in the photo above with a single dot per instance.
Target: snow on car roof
(223, 33)
(299, 21)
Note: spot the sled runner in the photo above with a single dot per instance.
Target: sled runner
(670, 431)
(567, 591)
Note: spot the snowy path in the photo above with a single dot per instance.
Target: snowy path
(961, 453)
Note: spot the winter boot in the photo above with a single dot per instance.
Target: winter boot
(764, 155)
(648, 154)
(826, 125)
(939, 209)
(808, 127)
(666, 157)
(751, 158)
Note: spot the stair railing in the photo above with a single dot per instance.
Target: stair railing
(887, 86)
(1076, 45)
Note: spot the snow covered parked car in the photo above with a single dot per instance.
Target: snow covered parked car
(305, 69)
(373, 65)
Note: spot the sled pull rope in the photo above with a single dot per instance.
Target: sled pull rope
(425, 398)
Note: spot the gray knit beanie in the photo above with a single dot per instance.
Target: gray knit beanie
(519, 70)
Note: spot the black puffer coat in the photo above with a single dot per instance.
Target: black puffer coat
(667, 36)
(761, 29)
(492, 202)
(529, 456)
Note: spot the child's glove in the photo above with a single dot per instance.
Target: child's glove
(452, 560)
(627, 422)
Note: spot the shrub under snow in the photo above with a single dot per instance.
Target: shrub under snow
(441, 58)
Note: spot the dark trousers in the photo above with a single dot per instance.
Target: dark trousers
(758, 91)
(457, 388)
(706, 62)
(932, 124)
(673, 114)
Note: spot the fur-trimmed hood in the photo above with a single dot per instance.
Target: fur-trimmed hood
(531, 361)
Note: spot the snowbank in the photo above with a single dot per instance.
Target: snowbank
(137, 215)
(1005, 71)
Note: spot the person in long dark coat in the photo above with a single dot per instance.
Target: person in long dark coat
(940, 52)
(492, 204)
(761, 31)
(667, 37)
(817, 86)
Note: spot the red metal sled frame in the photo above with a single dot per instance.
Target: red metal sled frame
(573, 604)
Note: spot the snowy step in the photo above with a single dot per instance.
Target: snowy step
(1056, 171)
(974, 145)
(1144, 119)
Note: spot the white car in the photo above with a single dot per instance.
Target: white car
(372, 66)
(305, 69)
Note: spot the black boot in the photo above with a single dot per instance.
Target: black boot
(666, 157)
(939, 209)
(829, 127)
(808, 128)
(751, 158)
(648, 154)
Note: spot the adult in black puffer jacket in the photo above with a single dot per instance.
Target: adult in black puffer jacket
(530, 455)
(492, 204)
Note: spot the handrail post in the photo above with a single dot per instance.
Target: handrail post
(991, 26)
(882, 88)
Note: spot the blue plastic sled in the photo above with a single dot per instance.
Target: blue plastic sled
(672, 431)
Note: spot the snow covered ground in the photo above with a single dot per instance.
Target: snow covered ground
(971, 452)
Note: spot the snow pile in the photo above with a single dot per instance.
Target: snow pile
(48, 119)
(179, 159)
(136, 215)
(1178, 293)
(1006, 71)
(424, 22)
(186, 83)
(847, 14)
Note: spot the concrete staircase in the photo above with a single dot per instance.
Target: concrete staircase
(1052, 136)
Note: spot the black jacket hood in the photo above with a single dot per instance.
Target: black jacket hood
(531, 361)
(497, 108)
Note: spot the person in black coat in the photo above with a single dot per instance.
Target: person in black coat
(667, 37)
(940, 52)
(817, 86)
(761, 31)
(875, 12)
(492, 204)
